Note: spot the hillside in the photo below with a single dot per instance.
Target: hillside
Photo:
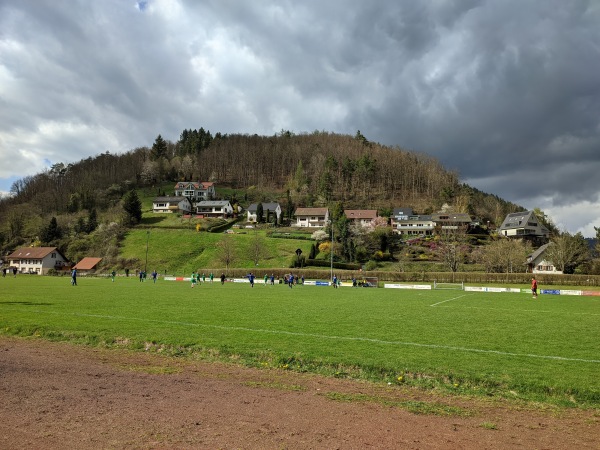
(316, 169)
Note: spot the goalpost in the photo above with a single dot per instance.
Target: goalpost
(368, 282)
(454, 286)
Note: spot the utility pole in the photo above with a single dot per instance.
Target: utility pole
(331, 250)
(147, 239)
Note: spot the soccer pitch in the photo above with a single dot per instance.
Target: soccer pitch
(501, 344)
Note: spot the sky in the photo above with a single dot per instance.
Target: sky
(505, 93)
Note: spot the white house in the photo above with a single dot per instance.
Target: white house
(268, 209)
(405, 222)
(37, 260)
(537, 262)
(171, 204)
(196, 191)
(523, 224)
(214, 208)
(311, 217)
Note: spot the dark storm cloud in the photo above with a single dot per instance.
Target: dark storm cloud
(505, 93)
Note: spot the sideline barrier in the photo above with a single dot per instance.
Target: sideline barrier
(407, 286)
(492, 289)
(415, 286)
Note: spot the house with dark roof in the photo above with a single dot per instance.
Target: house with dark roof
(171, 204)
(269, 209)
(214, 208)
(405, 222)
(37, 260)
(537, 262)
(311, 217)
(523, 224)
(451, 221)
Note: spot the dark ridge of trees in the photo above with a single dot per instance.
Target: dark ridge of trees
(311, 169)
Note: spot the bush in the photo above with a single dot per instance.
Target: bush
(371, 265)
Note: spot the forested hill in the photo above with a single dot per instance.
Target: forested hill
(317, 168)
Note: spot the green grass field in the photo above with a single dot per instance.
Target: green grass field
(494, 344)
(183, 251)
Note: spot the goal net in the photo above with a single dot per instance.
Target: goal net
(368, 282)
(454, 286)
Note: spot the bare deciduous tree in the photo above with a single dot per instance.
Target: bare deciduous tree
(226, 252)
(567, 251)
(504, 255)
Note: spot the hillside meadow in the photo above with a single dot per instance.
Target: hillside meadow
(181, 251)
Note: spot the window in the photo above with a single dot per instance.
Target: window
(53, 255)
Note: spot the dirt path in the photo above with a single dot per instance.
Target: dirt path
(59, 396)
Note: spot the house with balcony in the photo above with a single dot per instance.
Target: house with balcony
(452, 221)
(195, 191)
(37, 260)
(406, 223)
(311, 217)
(214, 208)
(362, 217)
(171, 204)
(523, 224)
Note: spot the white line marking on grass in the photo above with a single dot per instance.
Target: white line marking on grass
(338, 338)
(450, 299)
(562, 313)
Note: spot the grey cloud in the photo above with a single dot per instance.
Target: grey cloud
(505, 93)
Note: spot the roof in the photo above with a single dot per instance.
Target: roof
(403, 212)
(33, 253)
(211, 203)
(169, 198)
(538, 252)
(195, 184)
(271, 206)
(451, 217)
(522, 219)
(87, 263)
(311, 211)
(360, 213)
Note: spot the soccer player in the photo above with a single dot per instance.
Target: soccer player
(534, 287)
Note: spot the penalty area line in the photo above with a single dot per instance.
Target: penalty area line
(339, 338)
(450, 299)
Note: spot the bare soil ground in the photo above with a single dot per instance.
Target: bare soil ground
(61, 396)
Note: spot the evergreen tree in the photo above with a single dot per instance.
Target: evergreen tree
(92, 221)
(159, 149)
(50, 232)
(289, 207)
(259, 213)
(133, 207)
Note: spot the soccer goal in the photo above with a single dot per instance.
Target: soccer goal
(369, 282)
(454, 286)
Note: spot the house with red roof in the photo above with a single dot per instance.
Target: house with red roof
(196, 191)
(87, 265)
(37, 260)
(362, 217)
